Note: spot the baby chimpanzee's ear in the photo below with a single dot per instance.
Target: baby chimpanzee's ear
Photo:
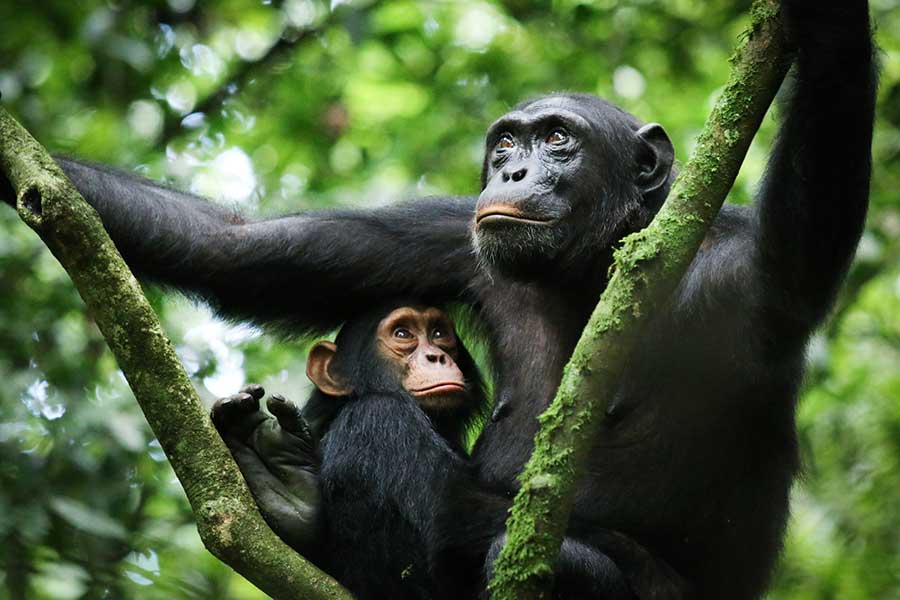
(318, 369)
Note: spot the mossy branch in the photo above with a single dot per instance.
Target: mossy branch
(648, 267)
(227, 518)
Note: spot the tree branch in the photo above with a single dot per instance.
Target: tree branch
(648, 267)
(227, 518)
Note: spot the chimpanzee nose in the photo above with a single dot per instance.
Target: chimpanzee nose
(436, 357)
(517, 175)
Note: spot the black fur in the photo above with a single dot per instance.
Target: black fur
(699, 450)
(387, 470)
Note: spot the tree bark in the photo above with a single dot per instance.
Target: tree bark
(648, 267)
(227, 519)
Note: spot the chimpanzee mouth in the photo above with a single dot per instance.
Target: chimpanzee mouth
(447, 387)
(500, 215)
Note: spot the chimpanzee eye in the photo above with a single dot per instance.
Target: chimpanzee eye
(505, 142)
(558, 136)
(438, 333)
(403, 333)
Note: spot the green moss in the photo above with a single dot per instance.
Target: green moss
(763, 11)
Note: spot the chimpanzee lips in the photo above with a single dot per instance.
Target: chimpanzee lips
(446, 387)
(500, 214)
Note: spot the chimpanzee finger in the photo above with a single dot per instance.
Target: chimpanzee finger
(288, 415)
(228, 412)
(254, 389)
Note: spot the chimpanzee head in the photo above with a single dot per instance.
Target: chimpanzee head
(564, 175)
(400, 348)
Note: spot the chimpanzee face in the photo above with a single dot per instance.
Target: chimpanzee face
(562, 176)
(413, 348)
(421, 345)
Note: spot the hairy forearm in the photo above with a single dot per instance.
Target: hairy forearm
(150, 223)
(813, 202)
(308, 271)
(7, 193)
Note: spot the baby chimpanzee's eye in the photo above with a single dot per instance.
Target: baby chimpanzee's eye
(438, 334)
(403, 333)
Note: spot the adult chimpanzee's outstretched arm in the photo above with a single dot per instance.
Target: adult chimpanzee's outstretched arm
(813, 200)
(310, 271)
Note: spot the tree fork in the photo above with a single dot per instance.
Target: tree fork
(647, 268)
(226, 514)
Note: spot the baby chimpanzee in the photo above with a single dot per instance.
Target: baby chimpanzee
(405, 389)
(394, 396)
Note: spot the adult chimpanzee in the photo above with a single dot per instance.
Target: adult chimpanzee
(699, 451)
(396, 386)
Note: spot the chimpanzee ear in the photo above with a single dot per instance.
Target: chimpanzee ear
(318, 369)
(655, 157)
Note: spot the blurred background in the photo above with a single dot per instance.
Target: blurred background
(274, 106)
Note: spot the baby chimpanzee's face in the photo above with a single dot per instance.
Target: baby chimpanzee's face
(420, 345)
(413, 348)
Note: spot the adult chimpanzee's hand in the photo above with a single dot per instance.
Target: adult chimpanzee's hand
(279, 460)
